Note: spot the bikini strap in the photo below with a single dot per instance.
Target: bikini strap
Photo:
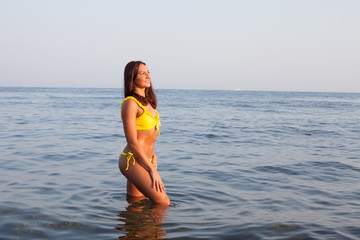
(129, 155)
(138, 103)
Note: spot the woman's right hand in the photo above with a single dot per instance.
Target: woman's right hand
(156, 181)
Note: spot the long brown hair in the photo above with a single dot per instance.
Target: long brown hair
(130, 73)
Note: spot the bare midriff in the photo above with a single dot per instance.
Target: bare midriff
(146, 139)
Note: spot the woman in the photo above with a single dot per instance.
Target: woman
(138, 162)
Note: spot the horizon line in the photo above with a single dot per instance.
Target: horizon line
(189, 89)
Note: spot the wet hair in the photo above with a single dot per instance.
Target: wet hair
(130, 73)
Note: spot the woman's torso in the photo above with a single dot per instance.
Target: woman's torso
(146, 138)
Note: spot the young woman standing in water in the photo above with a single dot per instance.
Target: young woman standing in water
(141, 121)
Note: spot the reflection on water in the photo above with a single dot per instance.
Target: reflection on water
(142, 220)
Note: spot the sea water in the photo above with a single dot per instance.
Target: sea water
(236, 165)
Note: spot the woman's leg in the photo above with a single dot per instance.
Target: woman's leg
(140, 178)
(132, 190)
(134, 199)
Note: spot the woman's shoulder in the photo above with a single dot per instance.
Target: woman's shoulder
(131, 101)
(129, 104)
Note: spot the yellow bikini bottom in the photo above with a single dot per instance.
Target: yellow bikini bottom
(130, 155)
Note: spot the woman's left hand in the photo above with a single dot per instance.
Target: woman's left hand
(156, 181)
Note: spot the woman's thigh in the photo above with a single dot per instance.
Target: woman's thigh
(140, 177)
(132, 190)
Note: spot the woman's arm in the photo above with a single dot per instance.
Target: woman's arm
(154, 161)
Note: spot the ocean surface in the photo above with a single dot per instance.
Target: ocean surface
(236, 165)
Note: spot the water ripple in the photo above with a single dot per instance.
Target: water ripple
(236, 165)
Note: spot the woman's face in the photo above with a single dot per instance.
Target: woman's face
(143, 79)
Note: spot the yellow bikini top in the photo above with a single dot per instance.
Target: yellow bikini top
(146, 121)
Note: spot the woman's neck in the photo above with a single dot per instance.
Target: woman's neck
(140, 92)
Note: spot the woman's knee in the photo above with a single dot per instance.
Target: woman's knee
(166, 202)
(161, 198)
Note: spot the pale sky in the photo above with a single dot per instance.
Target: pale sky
(275, 45)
